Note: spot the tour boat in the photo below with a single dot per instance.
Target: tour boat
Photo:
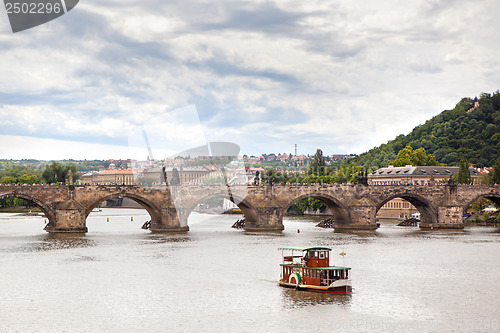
(308, 268)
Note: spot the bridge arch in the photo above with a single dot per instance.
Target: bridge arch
(493, 197)
(49, 213)
(249, 212)
(428, 213)
(339, 211)
(153, 212)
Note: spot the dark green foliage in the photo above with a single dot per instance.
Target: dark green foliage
(317, 165)
(408, 156)
(300, 206)
(463, 175)
(15, 202)
(56, 172)
(450, 136)
(495, 177)
(19, 174)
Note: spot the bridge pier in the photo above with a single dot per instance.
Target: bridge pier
(269, 217)
(169, 221)
(449, 217)
(362, 216)
(69, 217)
(449, 211)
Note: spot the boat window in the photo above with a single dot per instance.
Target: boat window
(326, 254)
(315, 254)
(322, 255)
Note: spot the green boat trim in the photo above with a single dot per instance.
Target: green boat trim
(305, 248)
(331, 268)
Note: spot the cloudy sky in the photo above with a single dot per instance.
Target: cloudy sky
(343, 76)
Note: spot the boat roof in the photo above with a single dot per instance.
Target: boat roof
(305, 248)
(329, 268)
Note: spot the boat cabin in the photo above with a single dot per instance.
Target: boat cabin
(310, 266)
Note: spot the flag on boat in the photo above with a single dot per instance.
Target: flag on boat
(342, 254)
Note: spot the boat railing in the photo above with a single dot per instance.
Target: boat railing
(292, 260)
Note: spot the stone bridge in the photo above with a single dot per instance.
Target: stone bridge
(352, 206)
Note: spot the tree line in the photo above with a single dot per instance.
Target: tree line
(54, 173)
(471, 130)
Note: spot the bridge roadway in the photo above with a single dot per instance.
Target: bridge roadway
(353, 206)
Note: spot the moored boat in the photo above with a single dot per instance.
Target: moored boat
(308, 268)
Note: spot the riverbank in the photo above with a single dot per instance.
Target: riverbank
(19, 210)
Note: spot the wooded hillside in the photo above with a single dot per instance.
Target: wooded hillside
(470, 130)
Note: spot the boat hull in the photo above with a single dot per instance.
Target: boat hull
(337, 289)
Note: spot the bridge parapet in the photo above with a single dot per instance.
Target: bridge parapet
(353, 206)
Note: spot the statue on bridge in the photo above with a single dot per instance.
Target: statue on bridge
(256, 179)
(175, 177)
(163, 176)
(363, 178)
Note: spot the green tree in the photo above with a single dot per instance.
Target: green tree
(408, 156)
(55, 172)
(495, 177)
(469, 130)
(28, 179)
(300, 206)
(480, 204)
(317, 165)
(7, 180)
(463, 175)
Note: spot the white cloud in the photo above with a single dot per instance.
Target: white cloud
(19, 147)
(343, 76)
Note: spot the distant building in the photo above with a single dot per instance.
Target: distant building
(396, 208)
(187, 175)
(415, 175)
(337, 157)
(244, 175)
(122, 177)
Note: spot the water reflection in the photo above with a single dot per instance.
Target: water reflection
(50, 242)
(361, 233)
(167, 238)
(68, 241)
(293, 298)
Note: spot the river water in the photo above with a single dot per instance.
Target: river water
(120, 278)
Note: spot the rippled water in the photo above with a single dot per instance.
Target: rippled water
(120, 278)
